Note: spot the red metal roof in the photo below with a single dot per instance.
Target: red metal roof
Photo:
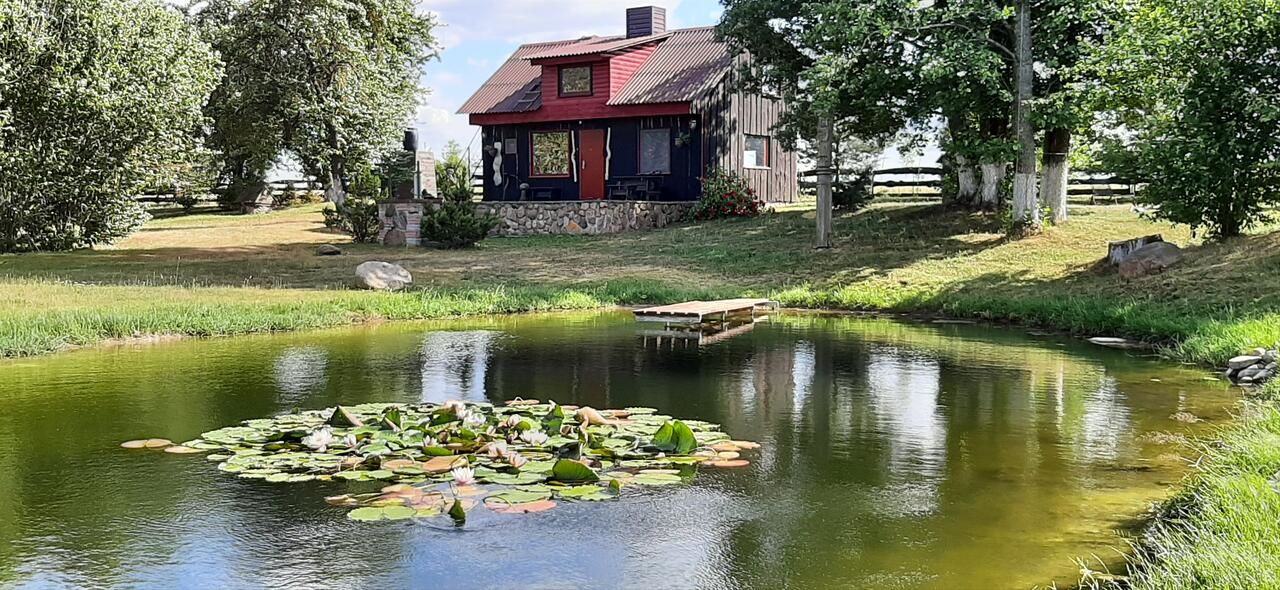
(596, 45)
(680, 70)
(515, 87)
(685, 64)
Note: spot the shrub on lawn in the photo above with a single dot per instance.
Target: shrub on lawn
(357, 217)
(726, 194)
(456, 224)
(852, 195)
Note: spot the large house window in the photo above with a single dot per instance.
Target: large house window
(756, 154)
(551, 153)
(655, 151)
(575, 81)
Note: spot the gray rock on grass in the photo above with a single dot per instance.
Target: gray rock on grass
(383, 276)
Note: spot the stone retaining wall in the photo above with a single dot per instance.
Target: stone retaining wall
(402, 219)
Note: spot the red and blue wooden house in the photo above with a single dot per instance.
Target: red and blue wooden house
(642, 116)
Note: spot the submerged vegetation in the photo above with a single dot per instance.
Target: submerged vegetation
(1223, 529)
(516, 459)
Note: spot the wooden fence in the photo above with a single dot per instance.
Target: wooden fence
(928, 185)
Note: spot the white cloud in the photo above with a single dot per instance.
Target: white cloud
(437, 125)
(524, 21)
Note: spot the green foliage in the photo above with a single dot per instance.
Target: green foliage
(365, 183)
(332, 83)
(852, 195)
(357, 217)
(726, 194)
(1194, 86)
(286, 198)
(453, 174)
(97, 98)
(456, 223)
(850, 60)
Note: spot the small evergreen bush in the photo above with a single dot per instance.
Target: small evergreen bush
(852, 195)
(357, 217)
(456, 224)
(726, 194)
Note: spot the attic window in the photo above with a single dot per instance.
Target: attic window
(575, 81)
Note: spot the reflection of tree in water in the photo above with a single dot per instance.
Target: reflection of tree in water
(300, 373)
(455, 365)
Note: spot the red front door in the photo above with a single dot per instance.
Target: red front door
(591, 158)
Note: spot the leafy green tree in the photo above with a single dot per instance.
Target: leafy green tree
(97, 99)
(333, 83)
(837, 64)
(453, 174)
(1194, 85)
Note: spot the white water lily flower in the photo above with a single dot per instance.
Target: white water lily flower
(319, 440)
(463, 476)
(516, 459)
(512, 421)
(430, 441)
(536, 438)
(497, 449)
(350, 441)
(473, 419)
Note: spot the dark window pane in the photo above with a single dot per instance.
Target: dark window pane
(655, 151)
(551, 153)
(756, 154)
(575, 80)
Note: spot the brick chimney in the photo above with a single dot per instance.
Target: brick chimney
(646, 20)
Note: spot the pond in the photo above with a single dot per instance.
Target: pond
(895, 455)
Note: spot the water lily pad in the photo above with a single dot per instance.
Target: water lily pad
(655, 479)
(182, 450)
(568, 470)
(526, 508)
(730, 463)
(744, 444)
(442, 464)
(516, 497)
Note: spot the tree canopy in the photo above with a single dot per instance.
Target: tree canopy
(96, 97)
(331, 82)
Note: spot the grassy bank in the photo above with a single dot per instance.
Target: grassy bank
(214, 274)
(1222, 531)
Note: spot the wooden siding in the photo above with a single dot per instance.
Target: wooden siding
(728, 116)
(681, 184)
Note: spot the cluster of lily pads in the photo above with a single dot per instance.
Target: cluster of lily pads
(445, 459)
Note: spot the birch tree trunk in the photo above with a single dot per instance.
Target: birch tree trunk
(1057, 168)
(333, 191)
(825, 139)
(1026, 212)
(993, 174)
(966, 180)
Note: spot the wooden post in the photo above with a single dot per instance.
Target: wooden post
(1026, 209)
(825, 132)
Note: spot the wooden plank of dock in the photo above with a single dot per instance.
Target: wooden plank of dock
(700, 312)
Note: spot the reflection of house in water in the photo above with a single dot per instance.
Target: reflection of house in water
(454, 365)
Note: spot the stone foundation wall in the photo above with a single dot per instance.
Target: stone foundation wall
(404, 218)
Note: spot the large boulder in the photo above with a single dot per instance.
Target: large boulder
(1149, 259)
(383, 276)
(328, 250)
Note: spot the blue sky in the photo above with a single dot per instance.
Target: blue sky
(478, 35)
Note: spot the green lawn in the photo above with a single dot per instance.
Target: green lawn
(212, 274)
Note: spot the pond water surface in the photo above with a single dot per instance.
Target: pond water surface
(895, 456)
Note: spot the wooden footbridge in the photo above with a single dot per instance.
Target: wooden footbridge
(703, 313)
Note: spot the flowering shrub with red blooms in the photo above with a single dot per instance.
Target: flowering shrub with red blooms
(725, 194)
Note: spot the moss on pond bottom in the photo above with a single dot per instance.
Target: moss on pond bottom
(520, 457)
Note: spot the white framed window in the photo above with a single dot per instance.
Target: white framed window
(655, 151)
(756, 152)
